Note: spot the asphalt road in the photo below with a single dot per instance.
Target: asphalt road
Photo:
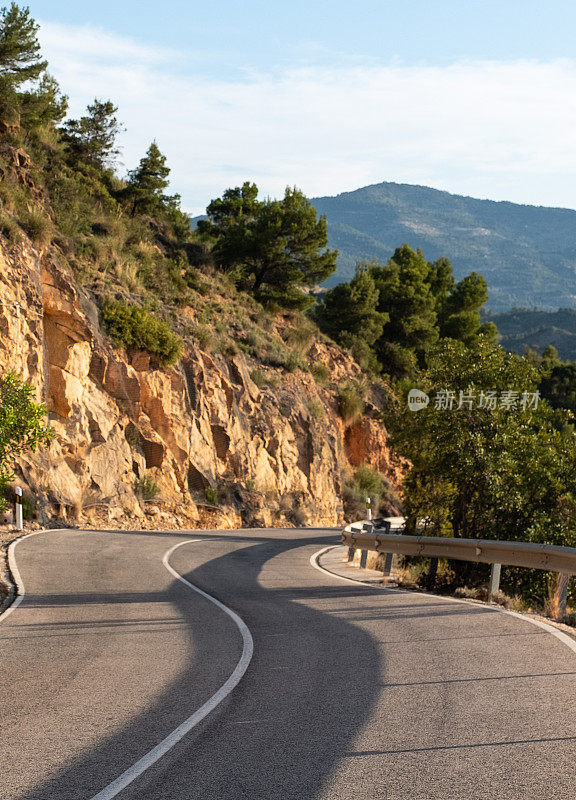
(353, 692)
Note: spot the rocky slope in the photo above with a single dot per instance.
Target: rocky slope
(274, 456)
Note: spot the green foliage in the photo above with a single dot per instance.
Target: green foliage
(351, 310)
(485, 472)
(369, 483)
(390, 315)
(211, 495)
(351, 401)
(146, 488)
(10, 229)
(29, 510)
(37, 225)
(258, 378)
(22, 424)
(315, 408)
(321, 373)
(92, 138)
(133, 326)
(146, 183)
(276, 248)
(559, 386)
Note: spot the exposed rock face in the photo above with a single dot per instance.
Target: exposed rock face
(202, 424)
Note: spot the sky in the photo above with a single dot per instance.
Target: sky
(476, 97)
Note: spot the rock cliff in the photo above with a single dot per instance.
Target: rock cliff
(273, 455)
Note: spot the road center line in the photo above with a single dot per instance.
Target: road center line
(154, 755)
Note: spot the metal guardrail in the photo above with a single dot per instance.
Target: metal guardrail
(370, 535)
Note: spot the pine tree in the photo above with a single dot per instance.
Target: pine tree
(276, 247)
(147, 182)
(92, 138)
(20, 58)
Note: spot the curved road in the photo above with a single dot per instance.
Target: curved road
(353, 692)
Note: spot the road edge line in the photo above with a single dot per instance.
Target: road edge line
(139, 767)
(18, 583)
(563, 637)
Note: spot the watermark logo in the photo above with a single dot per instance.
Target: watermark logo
(448, 400)
(417, 400)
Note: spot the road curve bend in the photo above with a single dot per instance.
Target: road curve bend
(128, 672)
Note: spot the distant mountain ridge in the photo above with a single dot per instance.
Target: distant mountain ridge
(526, 253)
(523, 327)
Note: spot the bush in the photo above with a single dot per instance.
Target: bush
(321, 373)
(351, 402)
(133, 326)
(315, 409)
(37, 225)
(146, 488)
(211, 495)
(10, 230)
(204, 336)
(258, 378)
(28, 507)
(369, 483)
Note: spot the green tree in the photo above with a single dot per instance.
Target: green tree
(28, 95)
(276, 248)
(406, 295)
(21, 425)
(146, 183)
(480, 471)
(459, 314)
(351, 309)
(20, 59)
(559, 386)
(92, 138)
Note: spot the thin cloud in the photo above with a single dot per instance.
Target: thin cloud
(491, 129)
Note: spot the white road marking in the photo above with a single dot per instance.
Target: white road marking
(20, 591)
(563, 637)
(126, 778)
(154, 755)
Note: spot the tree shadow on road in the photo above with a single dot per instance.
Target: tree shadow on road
(308, 692)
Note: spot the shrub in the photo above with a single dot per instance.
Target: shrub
(37, 225)
(28, 507)
(294, 361)
(315, 409)
(211, 495)
(133, 326)
(369, 483)
(321, 373)
(146, 488)
(204, 336)
(351, 402)
(258, 378)
(10, 230)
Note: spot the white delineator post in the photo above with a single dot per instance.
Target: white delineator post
(18, 518)
(368, 509)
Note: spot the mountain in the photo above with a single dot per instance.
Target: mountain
(523, 327)
(526, 253)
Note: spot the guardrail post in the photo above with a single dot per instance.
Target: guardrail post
(351, 551)
(18, 517)
(494, 580)
(562, 593)
(363, 557)
(387, 567)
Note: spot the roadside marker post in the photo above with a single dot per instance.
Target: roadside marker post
(368, 509)
(18, 518)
